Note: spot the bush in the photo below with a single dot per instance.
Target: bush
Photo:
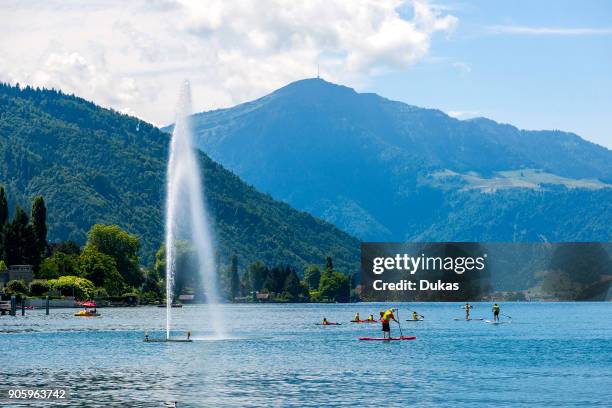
(81, 288)
(17, 287)
(101, 293)
(39, 287)
(60, 264)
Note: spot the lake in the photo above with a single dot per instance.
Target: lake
(551, 354)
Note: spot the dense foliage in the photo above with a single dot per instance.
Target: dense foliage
(95, 165)
(22, 241)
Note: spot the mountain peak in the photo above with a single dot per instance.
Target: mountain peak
(313, 87)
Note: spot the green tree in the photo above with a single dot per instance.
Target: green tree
(80, 288)
(67, 247)
(58, 264)
(153, 286)
(292, 287)
(3, 209)
(312, 276)
(258, 272)
(334, 286)
(39, 287)
(19, 241)
(101, 269)
(329, 264)
(121, 246)
(39, 224)
(17, 287)
(234, 278)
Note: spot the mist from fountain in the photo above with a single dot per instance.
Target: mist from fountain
(186, 214)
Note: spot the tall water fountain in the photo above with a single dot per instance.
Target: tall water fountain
(186, 215)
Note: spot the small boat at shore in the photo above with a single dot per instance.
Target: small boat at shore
(90, 310)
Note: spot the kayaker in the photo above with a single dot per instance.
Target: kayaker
(496, 312)
(385, 318)
(325, 322)
(467, 308)
(371, 318)
(415, 315)
(357, 317)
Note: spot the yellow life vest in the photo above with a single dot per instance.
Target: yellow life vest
(387, 315)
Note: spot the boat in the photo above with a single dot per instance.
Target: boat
(89, 311)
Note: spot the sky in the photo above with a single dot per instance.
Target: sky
(536, 65)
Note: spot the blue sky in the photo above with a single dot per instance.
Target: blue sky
(535, 64)
(550, 76)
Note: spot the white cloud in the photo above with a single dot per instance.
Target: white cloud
(133, 55)
(525, 30)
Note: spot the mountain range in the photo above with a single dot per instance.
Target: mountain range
(383, 170)
(95, 165)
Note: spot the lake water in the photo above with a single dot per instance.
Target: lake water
(551, 354)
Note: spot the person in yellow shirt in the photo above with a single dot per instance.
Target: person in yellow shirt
(371, 318)
(385, 319)
(357, 318)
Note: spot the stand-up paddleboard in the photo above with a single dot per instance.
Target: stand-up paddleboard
(492, 322)
(364, 321)
(328, 324)
(388, 339)
(467, 320)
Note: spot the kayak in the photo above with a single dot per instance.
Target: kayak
(414, 320)
(383, 339)
(329, 324)
(467, 320)
(364, 321)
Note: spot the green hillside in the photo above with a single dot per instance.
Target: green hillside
(95, 165)
(387, 171)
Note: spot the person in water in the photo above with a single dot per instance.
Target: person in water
(496, 312)
(371, 318)
(415, 315)
(467, 308)
(385, 318)
(357, 317)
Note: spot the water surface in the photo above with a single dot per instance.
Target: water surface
(550, 354)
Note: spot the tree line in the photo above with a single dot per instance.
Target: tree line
(108, 265)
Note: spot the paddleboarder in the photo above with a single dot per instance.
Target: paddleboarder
(496, 312)
(467, 308)
(357, 318)
(371, 318)
(385, 318)
(415, 315)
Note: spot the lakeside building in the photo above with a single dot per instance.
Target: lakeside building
(21, 272)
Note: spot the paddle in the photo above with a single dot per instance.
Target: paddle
(420, 315)
(509, 317)
(398, 323)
